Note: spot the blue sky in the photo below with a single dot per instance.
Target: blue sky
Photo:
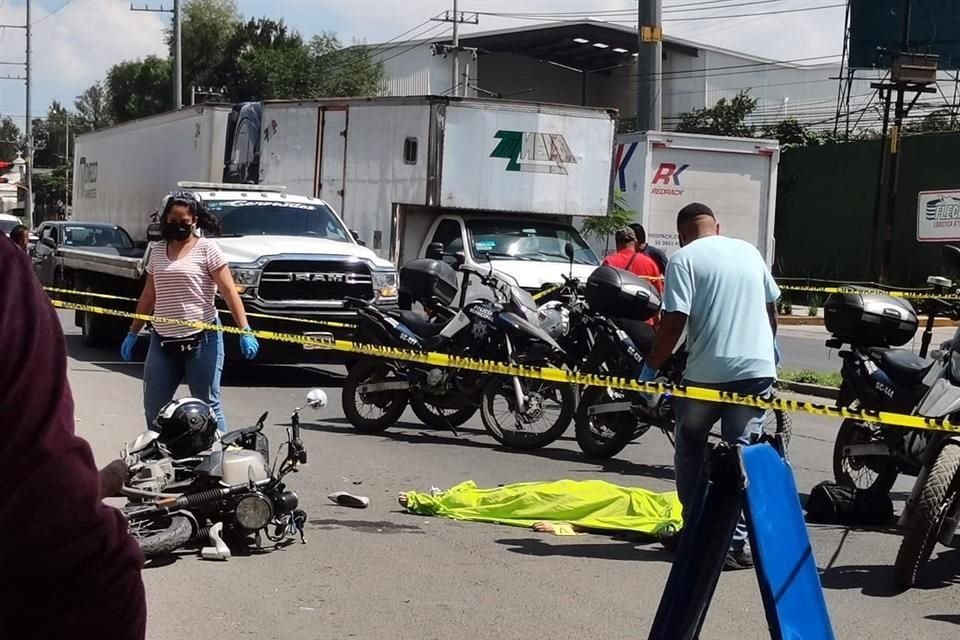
(76, 41)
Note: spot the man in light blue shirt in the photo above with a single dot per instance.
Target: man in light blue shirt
(720, 291)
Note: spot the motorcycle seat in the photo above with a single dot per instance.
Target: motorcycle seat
(420, 325)
(904, 367)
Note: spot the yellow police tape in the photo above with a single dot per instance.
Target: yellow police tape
(551, 374)
(108, 296)
(912, 295)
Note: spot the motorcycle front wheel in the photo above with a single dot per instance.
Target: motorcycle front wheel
(159, 536)
(547, 414)
(604, 435)
(937, 498)
(371, 411)
(862, 472)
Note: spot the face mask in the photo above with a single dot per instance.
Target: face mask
(180, 231)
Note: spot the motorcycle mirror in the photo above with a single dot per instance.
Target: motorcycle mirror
(435, 251)
(950, 256)
(570, 251)
(316, 398)
(262, 420)
(460, 258)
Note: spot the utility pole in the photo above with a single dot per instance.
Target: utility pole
(66, 159)
(649, 65)
(177, 62)
(909, 73)
(28, 169)
(457, 18)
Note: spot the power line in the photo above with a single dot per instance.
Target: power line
(53, 13)
(701, 5)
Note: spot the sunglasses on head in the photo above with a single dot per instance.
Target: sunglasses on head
(183, 197)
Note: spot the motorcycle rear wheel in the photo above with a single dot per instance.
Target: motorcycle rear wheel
(162, 535)
(603, 436)
(877, 474)
(371, 412)
(553, 410)
(936, 499)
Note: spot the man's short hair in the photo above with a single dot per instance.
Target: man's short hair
(640, 232)
(625, 235)
(18, 233)
(693, 210)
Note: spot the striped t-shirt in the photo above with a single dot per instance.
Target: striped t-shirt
(185, 287)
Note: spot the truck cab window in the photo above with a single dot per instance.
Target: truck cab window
(450, 235)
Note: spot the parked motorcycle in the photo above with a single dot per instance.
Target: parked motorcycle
(612, 326)
(932, 512)
(501, 326)
(228, 484)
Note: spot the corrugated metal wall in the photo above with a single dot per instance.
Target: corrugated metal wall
(825, 209)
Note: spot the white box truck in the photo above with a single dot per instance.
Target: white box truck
(659, 173)
(492, 178)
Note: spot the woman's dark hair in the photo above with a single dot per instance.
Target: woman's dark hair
(206, 222)
(18, 233)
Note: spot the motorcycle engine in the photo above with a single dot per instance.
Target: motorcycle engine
(154, 477)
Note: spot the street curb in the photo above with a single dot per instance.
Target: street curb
(806, 389)
(794, 321)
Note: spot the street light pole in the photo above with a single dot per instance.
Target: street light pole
(28, 129)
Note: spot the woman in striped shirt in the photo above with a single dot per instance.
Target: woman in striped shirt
(184, 272)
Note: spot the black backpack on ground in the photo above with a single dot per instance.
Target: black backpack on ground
(831, 503)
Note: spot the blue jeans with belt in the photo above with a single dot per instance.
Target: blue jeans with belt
(163, 372)
(739, 425)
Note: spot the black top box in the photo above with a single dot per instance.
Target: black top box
(621, 294)
(869, 319)
(429, 281)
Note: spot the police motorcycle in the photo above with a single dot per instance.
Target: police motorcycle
(188, 483)
(500, 324)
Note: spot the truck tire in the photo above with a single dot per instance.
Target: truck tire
(99, 331)
(937, 497)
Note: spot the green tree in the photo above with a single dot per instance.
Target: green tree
(725, 118)
(206, 29)
(10, 140)
(139, 88)
(344, 71)
(935, 121)
(791, 133)
(49, 194)
(50, 136)
(93, 108)
(620, 215)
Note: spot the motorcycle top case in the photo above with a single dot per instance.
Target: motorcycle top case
(621, 294)
(426, 280)
(870, 319)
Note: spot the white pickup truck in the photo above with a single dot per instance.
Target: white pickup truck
(291, 257)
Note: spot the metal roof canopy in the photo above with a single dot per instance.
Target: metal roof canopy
(574, 45)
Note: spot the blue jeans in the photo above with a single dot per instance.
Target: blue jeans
(739, 425)
(163, 373)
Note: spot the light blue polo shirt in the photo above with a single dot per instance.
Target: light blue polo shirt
(723, 286)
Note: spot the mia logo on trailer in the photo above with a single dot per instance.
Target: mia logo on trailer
(533, 152)
(668, 174)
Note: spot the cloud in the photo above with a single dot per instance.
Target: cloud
(74, 47)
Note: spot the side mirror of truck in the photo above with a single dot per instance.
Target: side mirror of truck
(153, 232)
(950, 255)
(435, 251)
(356, 237)
(49, 243)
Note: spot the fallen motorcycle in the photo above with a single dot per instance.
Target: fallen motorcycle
(185, 486)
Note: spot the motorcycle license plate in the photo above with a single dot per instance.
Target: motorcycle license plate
(322, 336)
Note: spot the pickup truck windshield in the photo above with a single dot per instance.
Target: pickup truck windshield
(524, 240)
(258, 218)
(80, 236)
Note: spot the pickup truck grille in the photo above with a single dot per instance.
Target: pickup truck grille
(315, 280)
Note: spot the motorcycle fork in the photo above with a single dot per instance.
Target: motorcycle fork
(517, 388)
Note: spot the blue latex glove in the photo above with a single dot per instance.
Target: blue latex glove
(249, 346)
(776, 353)
(649, 374)
(126, 349)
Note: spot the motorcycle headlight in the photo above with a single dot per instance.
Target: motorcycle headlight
(254, 512)
(385, 284)
(245, 277)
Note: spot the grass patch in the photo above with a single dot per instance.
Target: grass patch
(806, 376)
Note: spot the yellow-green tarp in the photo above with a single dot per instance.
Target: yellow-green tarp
(591, 504)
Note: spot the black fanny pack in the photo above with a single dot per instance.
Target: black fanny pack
(181, 346)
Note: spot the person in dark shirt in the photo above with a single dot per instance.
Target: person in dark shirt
(68, 566)
(649, 250)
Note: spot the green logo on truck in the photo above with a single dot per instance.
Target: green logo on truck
(533, 152)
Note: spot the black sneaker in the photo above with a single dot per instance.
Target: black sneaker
(670, 539)
(737, 560)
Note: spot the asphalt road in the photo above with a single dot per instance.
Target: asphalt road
(382, 573)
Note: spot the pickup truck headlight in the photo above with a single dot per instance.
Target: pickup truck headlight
(385, 284)
(245, 278)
